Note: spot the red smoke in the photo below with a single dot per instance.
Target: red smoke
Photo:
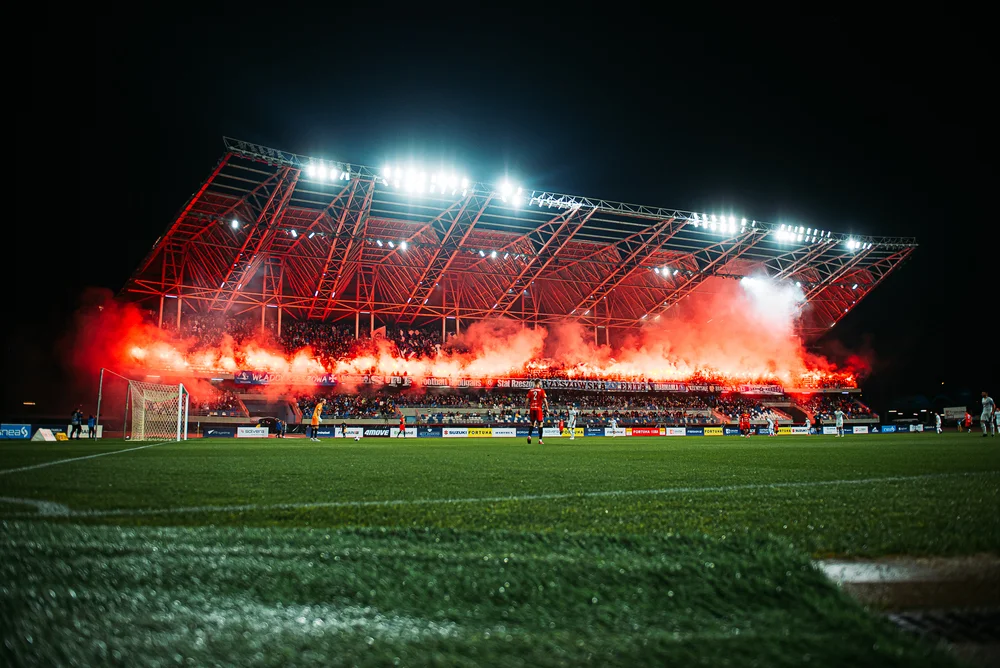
(727, 331)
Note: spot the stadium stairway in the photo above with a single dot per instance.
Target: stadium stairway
(281, 409)
(797, 414)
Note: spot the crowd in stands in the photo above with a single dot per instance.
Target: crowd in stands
(822, 406)
(347, 407)
(735, 405)
(207, 331)
(505, 408)
(223, 404)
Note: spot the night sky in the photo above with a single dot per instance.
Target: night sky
(876, 130)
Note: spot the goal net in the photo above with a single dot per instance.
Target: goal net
(143, 411)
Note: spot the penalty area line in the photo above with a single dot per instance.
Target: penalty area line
(250, 507)
(79, 459)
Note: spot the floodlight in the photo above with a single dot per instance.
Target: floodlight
(743, 222)
(320, 172)
(482, 254)
(465, 184)
(656, 270)
(402, 246)
(782, 228)
(493, 254)
(854, 287)
(714, 219)
(392, 245)
(387, 172)
(312, 234)
(505, 188)
(798, 284)
(732, 221)
(295, 234)
(235, 224)
(311, 171)
(379, 242)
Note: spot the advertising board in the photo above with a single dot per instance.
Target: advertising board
(15, 431)
(251, 432)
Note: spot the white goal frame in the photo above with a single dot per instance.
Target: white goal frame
(158, 411)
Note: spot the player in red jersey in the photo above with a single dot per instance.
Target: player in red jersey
(745, 425)
(562, 426)
(538, 403)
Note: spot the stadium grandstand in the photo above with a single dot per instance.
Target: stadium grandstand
(355, 263)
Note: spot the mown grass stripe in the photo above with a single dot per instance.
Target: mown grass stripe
(250, 507)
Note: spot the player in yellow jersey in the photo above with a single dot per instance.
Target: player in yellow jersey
(314, 427)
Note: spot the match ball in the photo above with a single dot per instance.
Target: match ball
(357, 438)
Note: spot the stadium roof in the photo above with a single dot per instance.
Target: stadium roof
(321, 240)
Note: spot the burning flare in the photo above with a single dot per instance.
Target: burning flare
(726, 333)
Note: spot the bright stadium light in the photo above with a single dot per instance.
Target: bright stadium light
(656, 270)
(420, 181)
(320, 172)
(854, 287)
(311, 171)
(493, 255)
(235, 224)
(295, 234)
(403, 245)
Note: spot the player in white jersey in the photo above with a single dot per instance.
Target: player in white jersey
(571, 423)
(809, 425)
(770, 426)
(937, 422)
(839, 415)
(614, 426)
(986, 419)
(996, 421)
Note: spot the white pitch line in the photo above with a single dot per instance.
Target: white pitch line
(505, 499)
(45, 508)
(77, 459)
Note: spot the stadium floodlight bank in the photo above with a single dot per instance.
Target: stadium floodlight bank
(304, 238)
(150, 411)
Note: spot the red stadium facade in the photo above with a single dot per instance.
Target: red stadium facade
(334, 249)
(280, 236)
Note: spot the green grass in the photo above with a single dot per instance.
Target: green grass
(211, 596)
(951, 514)
(696, 549)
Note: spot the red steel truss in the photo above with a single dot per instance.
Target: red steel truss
(261, 234)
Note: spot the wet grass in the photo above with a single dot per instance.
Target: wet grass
(95, 595)
(626, 551)
(710, 486)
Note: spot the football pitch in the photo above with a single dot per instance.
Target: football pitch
(600, 551)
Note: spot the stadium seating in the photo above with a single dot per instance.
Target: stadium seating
(824, 405)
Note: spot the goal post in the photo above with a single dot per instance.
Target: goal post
(142, 410)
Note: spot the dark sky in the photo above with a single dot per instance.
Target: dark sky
(874, 130)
